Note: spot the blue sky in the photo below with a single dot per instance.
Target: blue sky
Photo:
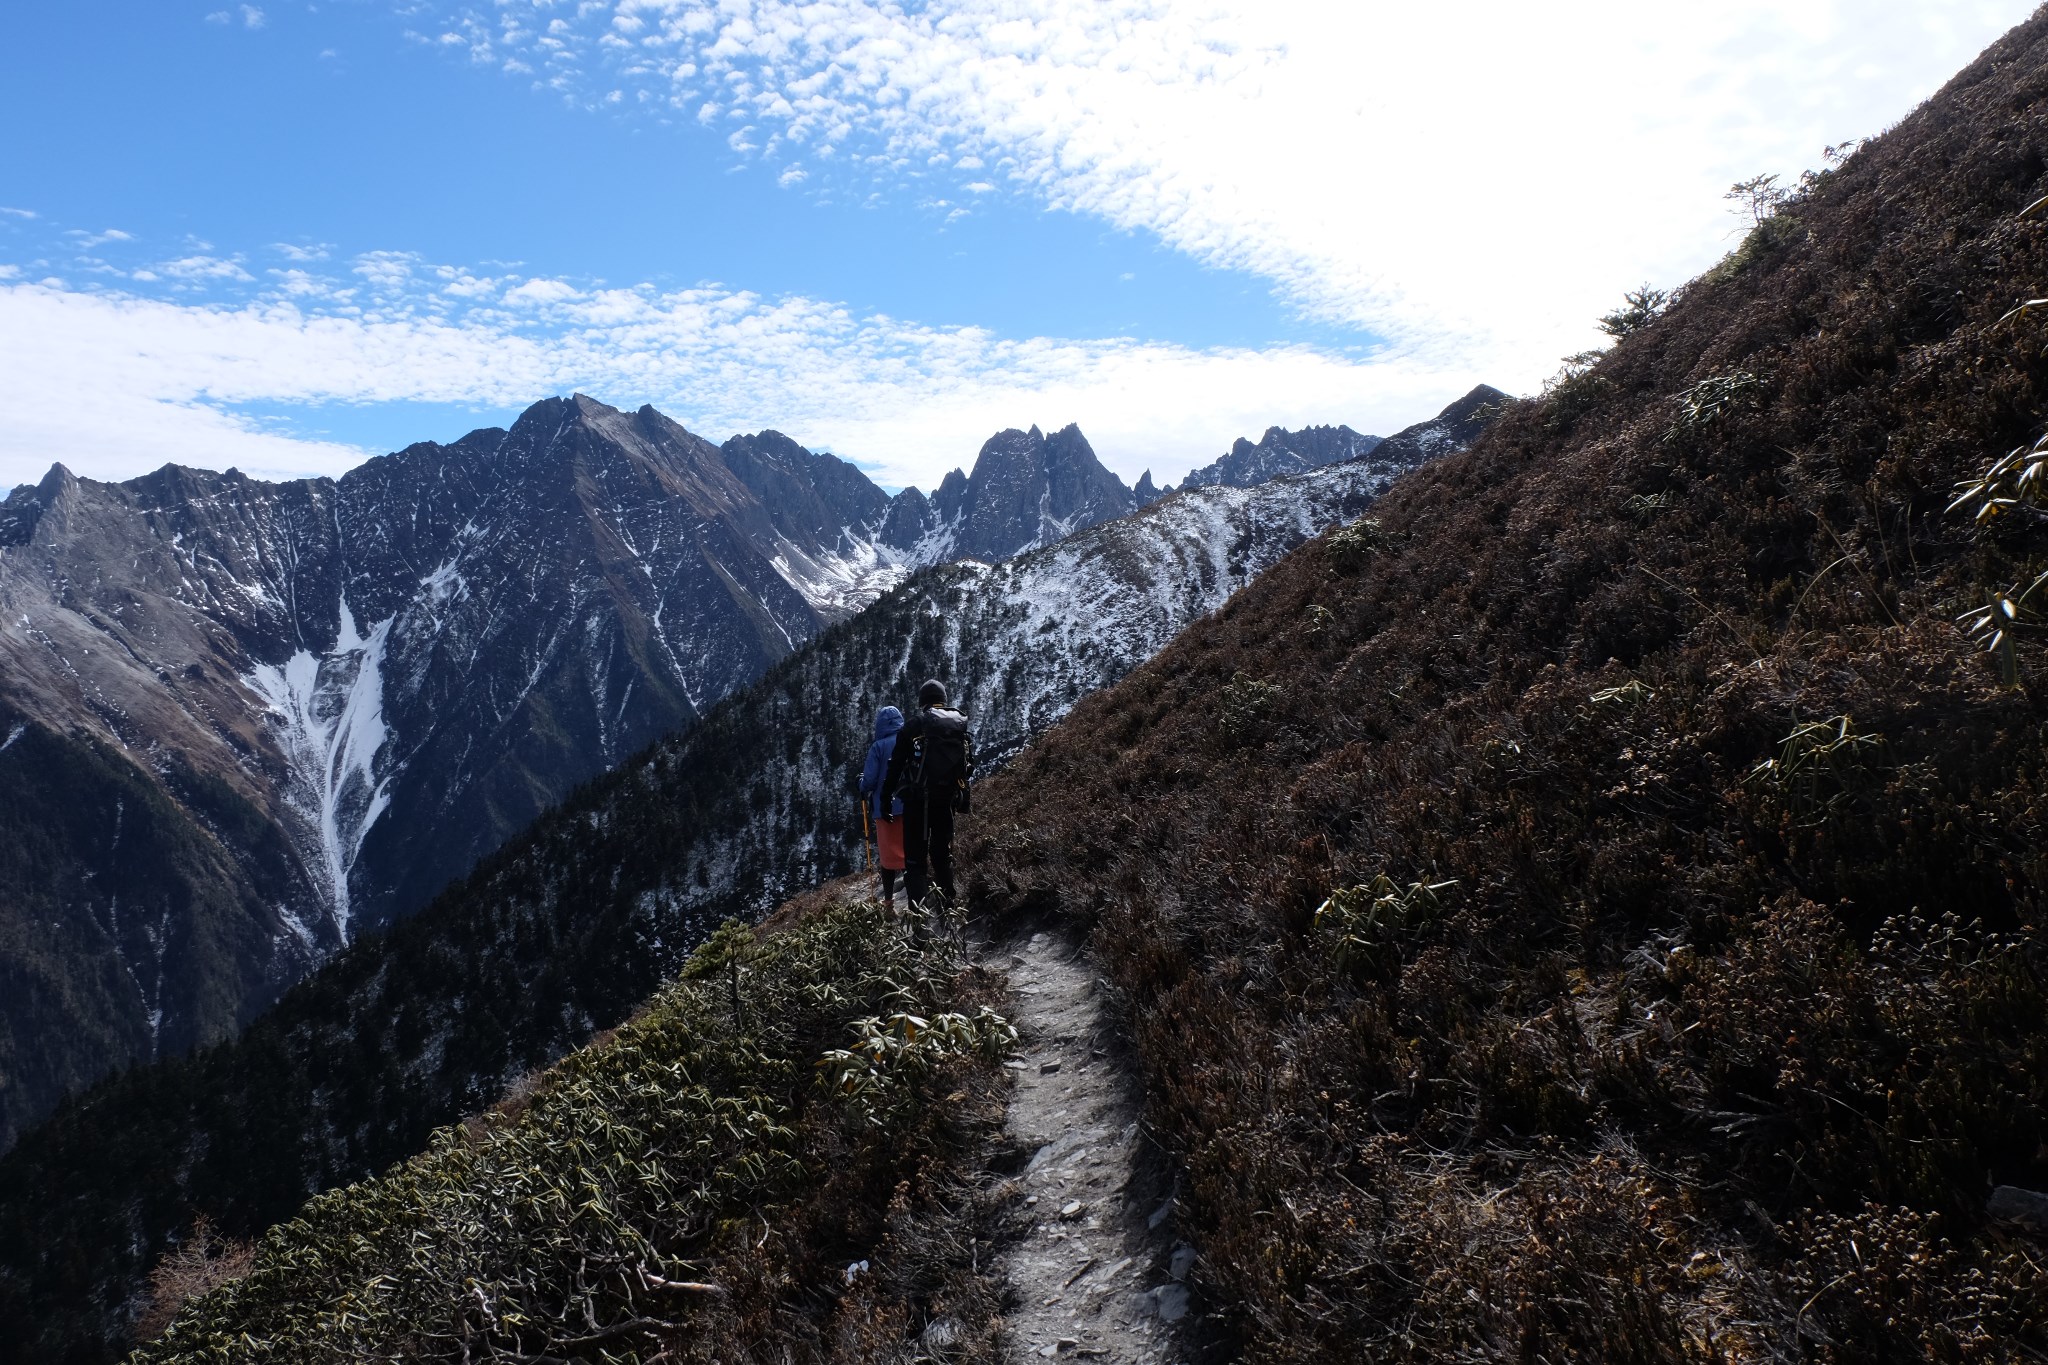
(287, 236)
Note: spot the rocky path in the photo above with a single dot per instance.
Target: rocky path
(1095, 1274)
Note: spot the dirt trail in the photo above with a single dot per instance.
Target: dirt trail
(1096, 1274)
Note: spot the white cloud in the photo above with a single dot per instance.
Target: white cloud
(540, 292)
(117, 384)
(1468, 185)
(316, 252)
(1475, 180)
(386, 271)
(202, 267)
(18, 213)
(299, 284)
(89, 240)
(252, 17)
(464, 285)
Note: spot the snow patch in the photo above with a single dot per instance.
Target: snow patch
(843, 582)
(445, 583)
(328, 715)
(298, 928)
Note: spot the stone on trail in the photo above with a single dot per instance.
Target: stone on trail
(2027, 1209)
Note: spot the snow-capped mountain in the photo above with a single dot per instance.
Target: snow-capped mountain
(1279, 453)
(1027, 490)
(247, 721)
(1019, 643)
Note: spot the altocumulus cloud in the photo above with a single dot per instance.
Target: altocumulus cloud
(1467, 186)
(1472, 180)
(115, 383)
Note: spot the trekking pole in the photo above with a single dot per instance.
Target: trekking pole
(867, 849)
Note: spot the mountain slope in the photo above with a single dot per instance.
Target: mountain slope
(568, 927)
(1615, 933)
(345, 692)
(683, 1183)
(1593, 912)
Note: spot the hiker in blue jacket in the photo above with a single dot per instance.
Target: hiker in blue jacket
(888, 815)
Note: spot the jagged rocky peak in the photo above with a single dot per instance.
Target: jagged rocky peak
(1281, 452)
(813, 497)
(26, 504)
(355, 688)
(1145, 491)
(910, 518)
(1029, 489)
(951, 494)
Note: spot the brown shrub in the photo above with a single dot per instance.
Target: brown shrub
(198, 1265)
(1686, 1013)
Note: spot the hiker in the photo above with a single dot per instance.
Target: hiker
(888, 815)
(929, 770)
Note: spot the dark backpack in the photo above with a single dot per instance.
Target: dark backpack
(943, 761)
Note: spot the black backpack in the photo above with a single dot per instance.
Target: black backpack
(943, 761)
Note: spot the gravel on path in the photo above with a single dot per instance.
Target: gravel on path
(1096, 1274)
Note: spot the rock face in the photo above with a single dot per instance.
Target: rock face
(336, 696)
(1281, 452)
(1027, 490)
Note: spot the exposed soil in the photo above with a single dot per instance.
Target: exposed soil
(1095, 1272)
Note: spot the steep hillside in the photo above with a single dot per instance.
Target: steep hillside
(567, 928)
(683, 1189)
(337, 695)
(1594, 913)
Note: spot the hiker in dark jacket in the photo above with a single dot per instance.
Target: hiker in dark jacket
(888, 815)
(929, 772)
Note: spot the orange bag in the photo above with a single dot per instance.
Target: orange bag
(889, 839)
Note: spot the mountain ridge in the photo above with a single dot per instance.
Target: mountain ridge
(564, 930)
(396, 670)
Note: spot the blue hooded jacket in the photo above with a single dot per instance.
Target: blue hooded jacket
(888, 721)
